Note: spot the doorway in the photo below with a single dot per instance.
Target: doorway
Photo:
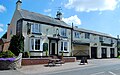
(53, 49)
(104, 52)
(93, 52)
(112, 52)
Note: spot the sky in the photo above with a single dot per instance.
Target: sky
(97, 15)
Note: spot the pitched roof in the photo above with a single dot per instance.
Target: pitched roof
(42, 18)
(93, 32)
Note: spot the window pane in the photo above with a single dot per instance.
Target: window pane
(77, 35)
(37, 44)
(63, 32)
(65, 46)
(87, 35)
(32, 44)
(61, 46)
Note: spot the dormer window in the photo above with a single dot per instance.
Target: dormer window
(87, 36)
(101, 39)
(77, 34)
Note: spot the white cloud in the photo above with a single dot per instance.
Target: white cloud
(2, 8)
(1, 25)
(92, 5)
(47, 10)
(1, 29)
(73, 19)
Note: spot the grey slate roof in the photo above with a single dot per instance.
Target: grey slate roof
(93, 32)
(41, 18)
(46, 19)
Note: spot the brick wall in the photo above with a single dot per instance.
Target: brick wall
(36, 61)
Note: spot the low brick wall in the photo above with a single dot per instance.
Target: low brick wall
(36, 61)
(69, 59)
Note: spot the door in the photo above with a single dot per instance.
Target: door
(104, 53)
(93, 52)
(53, 49)
(112, 52)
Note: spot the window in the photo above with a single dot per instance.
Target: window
(87, 35)
(19, 27)
(77, 34)
(64, 46)
(101, 38)
(35, 44)
(28, 28)
(32, 44)
(35, 28)
(63, 32)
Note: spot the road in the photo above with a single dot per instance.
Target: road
(94, 67)
(98, 69)
(113, 69)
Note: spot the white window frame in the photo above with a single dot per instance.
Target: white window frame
(87, 35)
(41, 48)
(77, 34)
(35, 28)
(63, 46)
(63, 32)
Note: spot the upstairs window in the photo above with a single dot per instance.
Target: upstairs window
(63, 32)
(35, 28)
(19, 27)
(87, 36)
(101, 38)
(77, 34)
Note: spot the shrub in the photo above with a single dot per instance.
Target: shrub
(17, 44)
(26, 54)
(6, 54)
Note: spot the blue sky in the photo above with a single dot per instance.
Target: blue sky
(97, 15)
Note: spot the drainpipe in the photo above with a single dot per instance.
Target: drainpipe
(118, 45)
(72, 39)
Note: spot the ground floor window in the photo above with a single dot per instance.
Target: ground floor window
(35, 44)
(64, 46)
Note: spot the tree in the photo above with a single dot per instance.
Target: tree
(17, 44)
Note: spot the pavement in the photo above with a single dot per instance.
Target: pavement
(44, 69)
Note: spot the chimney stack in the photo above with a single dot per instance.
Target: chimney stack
(18, 5)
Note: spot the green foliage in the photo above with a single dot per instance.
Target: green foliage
(62, 53)
(119, 56)
(46, 52)
(17, 44)
(26, 54)
(6, 54)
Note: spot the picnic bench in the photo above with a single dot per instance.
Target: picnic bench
(55, 60)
